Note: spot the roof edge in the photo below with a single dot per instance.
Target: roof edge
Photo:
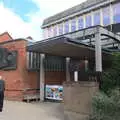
(86, 9)
(13, 40)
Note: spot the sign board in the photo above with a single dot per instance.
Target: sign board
(54, 92)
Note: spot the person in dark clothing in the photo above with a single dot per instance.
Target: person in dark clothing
(2, 88)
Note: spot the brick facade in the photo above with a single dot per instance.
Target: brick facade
(20, 79)
(5, 37)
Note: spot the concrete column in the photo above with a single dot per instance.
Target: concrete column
(77, 25)
(76, 76)
(92, 18)
(70, 25)
(86, 65)
(67, 69)
(42, 77)
(98, 52)
(84, 21)
(57, 29)
(111, 14)
(63, 27)
(101, 17)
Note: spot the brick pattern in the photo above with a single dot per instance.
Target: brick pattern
(19, 79)
(5, 37)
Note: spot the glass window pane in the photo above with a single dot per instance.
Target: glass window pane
(73, 25)
(88, 21)
(116, 13)
(50, 32)
(45, 32)
(96, 18)
(66, 27)
(60, 29)
(106, 16)
(55, 30)
(80, 23)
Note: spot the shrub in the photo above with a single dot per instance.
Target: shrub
(106, 107)
(111, 77)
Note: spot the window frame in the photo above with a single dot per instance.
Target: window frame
(86, 24)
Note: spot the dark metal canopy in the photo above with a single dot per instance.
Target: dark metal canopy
(63, 46)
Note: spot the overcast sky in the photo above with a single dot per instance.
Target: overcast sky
(22, 18)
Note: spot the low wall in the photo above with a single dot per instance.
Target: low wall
(78, 99)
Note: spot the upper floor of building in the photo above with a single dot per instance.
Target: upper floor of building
(87, 14)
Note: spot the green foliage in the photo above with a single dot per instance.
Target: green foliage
(106, 107)
(111, 77)
(106, 104)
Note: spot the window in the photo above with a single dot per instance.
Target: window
(50, 32)
(88, 21)
(73, 25)
(116, 13)
(96, 18)
(80, 23)
(55, 30)
(106, 16)
(45, 33)
(66, 27)
(60, 29)
(33, 60)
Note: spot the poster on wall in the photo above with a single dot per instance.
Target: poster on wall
(54, 92)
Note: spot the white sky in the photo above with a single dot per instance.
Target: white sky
(14, 24)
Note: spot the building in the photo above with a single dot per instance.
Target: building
(5, 37)
(81, 39)
(87, 14)
(77, 43)
(19, 82)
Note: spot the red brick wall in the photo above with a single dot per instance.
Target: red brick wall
(19, 79)
(5, 37)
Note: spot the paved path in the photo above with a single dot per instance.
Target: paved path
(31, 111)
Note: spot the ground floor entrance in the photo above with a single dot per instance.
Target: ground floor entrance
(81, 56)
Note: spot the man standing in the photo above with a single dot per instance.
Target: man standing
(2, 88)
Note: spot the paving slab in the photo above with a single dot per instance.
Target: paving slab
(32, 111)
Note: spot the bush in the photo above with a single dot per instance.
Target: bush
(106, 107)
(111, 77)
(106, 104)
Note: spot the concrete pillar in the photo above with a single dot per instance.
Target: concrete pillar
(92, 18)
(111, 15)
(42, 77)
(70, 24)
(101, 17)
(86, 65)
(98, 57)
(67, 69)
(98, 52)
(76, 76)
(77, 25)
